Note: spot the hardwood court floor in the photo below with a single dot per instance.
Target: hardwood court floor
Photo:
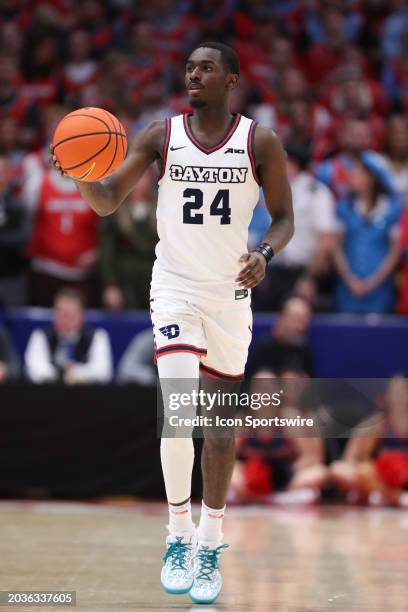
(286, 560)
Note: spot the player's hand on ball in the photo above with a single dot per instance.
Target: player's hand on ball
(54, 161)
(253, 271)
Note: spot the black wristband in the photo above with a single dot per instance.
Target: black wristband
(266, 250)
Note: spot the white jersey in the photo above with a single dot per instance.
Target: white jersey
(205, 205)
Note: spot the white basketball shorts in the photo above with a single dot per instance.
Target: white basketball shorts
(218, 334)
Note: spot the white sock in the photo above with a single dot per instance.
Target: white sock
(210, 527)
(177, 453)
(180, 520)
(177, 458)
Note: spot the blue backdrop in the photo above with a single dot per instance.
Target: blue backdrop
(343, 345)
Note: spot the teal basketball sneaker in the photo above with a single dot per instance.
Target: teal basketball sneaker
(207, 576)
(177, 573)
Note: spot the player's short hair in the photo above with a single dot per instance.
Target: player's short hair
(228, 55)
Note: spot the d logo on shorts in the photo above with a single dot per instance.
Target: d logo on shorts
(170, 331)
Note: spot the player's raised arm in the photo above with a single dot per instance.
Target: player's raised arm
(105, 196)
(270, 160)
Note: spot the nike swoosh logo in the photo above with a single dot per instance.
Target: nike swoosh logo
(177, 148)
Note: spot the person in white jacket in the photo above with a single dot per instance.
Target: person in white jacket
(69, 351)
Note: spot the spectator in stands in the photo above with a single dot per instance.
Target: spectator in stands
(351, 94)
(15, 102)
(309, 126)
(80, 68)
(9, 365)
(395, 76)
(396, 155)
(285, 350)
(368, 247)
(394, 28)
(14, 234)
(11, 37)
(277, 465)
(127, 249)
(325, 52)
(374, 464)
(42, 69)
(310, 250)
(92, 15)
(146, 63)
(322, 73)
(355, 137)
(11, 148)
(69, 351)
(63, 244)
(137, 362)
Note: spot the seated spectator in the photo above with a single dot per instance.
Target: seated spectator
(374, 464)
(11, 149)
(41, 64)
(368, 247)
(9, 365)
(69, 351)
(137, 362)
(127, 250)
(355, 137)
(14, 233)
(395, 76)
(324, 54)
(16, 103)
(277, 465)
(351, 94)
(93, 17)
(63, 245)
(81, 68)
(396, 155)
(286, 348)
(310, 250)
(394, 28)
(309, 126)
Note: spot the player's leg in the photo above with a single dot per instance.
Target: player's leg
(228, 336)
(177, 452)
(179, 343)
(218, 456)
(177, 458)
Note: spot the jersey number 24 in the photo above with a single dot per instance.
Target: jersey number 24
(219, 206)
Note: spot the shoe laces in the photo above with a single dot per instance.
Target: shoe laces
(177, 553)
(208, 561)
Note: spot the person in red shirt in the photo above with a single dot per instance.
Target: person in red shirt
(63, 245)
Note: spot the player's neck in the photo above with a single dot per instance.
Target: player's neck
(211, 119)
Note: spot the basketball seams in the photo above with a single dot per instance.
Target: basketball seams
(92, 156)
(112, 126)
(110, 117)
(87, 134)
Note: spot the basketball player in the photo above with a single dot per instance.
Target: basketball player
(212, 164)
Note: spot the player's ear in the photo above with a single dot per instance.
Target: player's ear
(232, 81)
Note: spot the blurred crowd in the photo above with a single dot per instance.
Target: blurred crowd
(329, 76)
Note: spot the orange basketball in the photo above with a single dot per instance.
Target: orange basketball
(89, 144)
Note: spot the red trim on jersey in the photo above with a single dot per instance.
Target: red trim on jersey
(251, 152)
(202, 148)
(212, 373)
(165, 147)
(180, 348)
